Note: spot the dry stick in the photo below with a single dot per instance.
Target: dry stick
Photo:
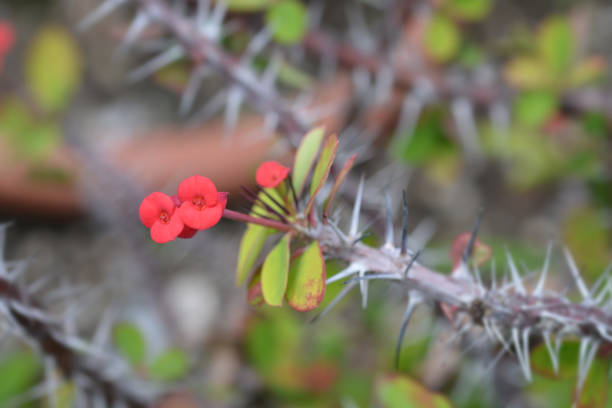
(51, 340)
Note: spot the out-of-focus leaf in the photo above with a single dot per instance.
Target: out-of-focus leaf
(595, 124)
(321, 171)
(53, 68)
(535, 107)
(471, 55)
(594, 393)
(481, 253)
(275, 271)
(556, 44)
(292, 76)
(250, 247)
(403, 392)
(527, 73)
(588, 71)
(588, 237)
(442, 38)
(63, 398)
(18, 371)
(171, 365)
(248, 5)
(305, 157)
(427, 141)
(30, 137)
(471, 10)
(287, 20)
(306, 286)
(130, 342)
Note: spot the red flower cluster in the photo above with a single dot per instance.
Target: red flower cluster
(7, 40)
(270, 174)
(198, 206)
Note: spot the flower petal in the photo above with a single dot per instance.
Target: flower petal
(204, 218)
(151, 207)
(270, 174)
(187, 232)
(162, 233)
(198, 186)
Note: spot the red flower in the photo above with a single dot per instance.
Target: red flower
(270, 174)
(202, 206)
(7, 39)
(157, 212)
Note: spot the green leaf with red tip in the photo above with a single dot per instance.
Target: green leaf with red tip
(305, 157)
(321, 171)
(254, 293)
(306, 286)
(274, 272)
(402, 392)
(250, 247)
(338, 182)
(481, 253)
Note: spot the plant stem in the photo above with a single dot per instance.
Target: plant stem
(238, 216)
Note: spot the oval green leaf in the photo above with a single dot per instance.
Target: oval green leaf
(274, 273)
(402, 392)
(53, 68)
(250, 247)
(321, 171)
(442, 38)
(130, 342)
(171, 365)
(306, 286)
(287, 20)
(305, 157)
(535, 107)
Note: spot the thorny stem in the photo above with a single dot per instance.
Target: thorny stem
(50, 338)
(200, 48)
(504, 308)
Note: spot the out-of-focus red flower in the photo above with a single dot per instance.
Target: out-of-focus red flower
(270, 174)
(202, 205)
(7, 40)
(158, 212)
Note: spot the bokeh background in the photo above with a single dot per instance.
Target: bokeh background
(462, 103)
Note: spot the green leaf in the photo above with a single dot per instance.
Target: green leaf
(535, 107)
(402, 392)
(305, 157)
(251, 244)
(471, 10)
(254, 293)
(556, 44)
(53, 68)
(321, 171)
(171, 365)
(594, 393)
(527, 73)
(130, 342)
(427, 141)
(287, 20)
(306, 286)
(274, 272)
(248, 5)
(19, 371)
(442, 38)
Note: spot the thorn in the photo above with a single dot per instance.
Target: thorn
(522, 355)
(235, 97)
(412, 261)
(334, 302)
(346, 272)
(339, 233)
(588, 349)
(516, 278)
(413, 302)
(605, 280)
(467, 253)
(377, 276)
(540, 285)
(218, 12)
(257, 44)
(213, 106)
(363, 287)
(167, 57)
(422, 233)
(138, 25)
(202, 12)
(104, 9)
(554, 356)
(582, 288)
(388, 221)
(404, 223)
(192, 88)
(493, 275)
(357, 209)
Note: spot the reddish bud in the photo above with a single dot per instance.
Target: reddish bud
(270, 174)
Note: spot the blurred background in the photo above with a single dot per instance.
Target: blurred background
(462, 103)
